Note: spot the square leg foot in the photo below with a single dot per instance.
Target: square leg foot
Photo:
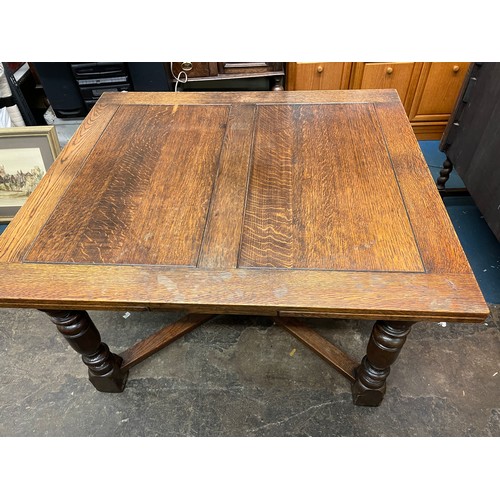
(112, 382)
(362, 396)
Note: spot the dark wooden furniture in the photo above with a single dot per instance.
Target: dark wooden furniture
(212, 71)
(471, 141)
(198, 201)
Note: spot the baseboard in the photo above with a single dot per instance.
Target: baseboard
(428, 131)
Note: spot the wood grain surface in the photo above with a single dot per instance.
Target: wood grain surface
(210, 98)
(437, 240)
(290, 203)
(19, 235)
(364, 295)
(150, 193)
(223, 230)
(316, 200)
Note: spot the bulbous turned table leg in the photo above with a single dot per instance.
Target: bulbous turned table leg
(384, 346)
(81, 333)
(444, 174)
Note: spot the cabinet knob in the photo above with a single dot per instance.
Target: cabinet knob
(389, 70)
(320, 69)
(456, 69)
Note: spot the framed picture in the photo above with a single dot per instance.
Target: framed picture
(25, 155)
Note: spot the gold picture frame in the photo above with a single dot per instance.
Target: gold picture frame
(25, 155)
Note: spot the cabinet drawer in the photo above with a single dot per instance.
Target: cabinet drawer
(318, 76)
(192, 69)
(244, 68)
(401, 76)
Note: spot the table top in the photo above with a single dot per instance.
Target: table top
(294, 203)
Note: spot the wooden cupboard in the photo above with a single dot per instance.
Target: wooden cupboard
(399, 75)
(428, 90)
(437, 91)
(318, 76)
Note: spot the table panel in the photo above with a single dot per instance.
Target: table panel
(323, 194)
(143, 195)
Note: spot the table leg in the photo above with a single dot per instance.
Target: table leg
(81, 333)
(444, 174)
(384, 346)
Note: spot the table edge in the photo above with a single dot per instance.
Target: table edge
(375, 295)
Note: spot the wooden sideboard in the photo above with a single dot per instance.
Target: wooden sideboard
(428, 90)
(220, 71)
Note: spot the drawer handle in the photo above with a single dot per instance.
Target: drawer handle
(456, 69)
(389, 71)
(187, 66)
(320, 69)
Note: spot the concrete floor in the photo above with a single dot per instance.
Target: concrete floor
(242, 376)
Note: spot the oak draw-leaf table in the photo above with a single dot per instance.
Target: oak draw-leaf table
(284, 204)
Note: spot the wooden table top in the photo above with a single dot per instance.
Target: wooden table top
(294, 203)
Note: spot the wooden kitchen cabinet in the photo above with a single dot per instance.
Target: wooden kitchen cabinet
(398, 75)
(428, 90)
(318, 76)
(435, 95)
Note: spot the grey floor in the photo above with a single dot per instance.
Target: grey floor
(243, 376)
